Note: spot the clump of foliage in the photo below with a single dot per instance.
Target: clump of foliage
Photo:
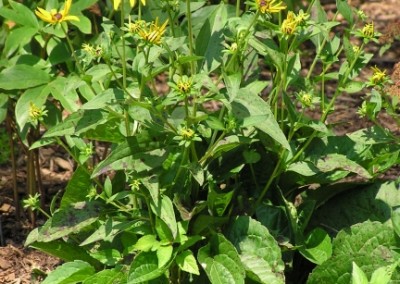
(219, 176)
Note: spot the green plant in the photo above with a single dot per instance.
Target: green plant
(207, 179)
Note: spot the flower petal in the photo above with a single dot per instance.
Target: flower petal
(132, 2)
(116, 4)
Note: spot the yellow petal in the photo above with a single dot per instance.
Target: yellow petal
(132, 2)
(143, 2)
(71, 18)
(116, 4)
(67, 6)
(44, 15)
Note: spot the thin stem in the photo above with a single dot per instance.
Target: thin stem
(190, 35)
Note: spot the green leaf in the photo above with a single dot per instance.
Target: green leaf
(69, 220)
(251, 110)
(77, 189)
(396, 220)
(221, 261)
(146, 243)
(106, 276)
(209, 40)
(187, 262)
(64, 91)
(70, 272)
(18, 37)
(337, 161)
(104, 99)
(258, 250)
(317, 246)
(37, 96)
(346, 10)
(353, 87)
(369, 244)
(164, 209)
(145, 268)
(19, 77)
(353, 204)
(20, 14)
(135, 153)
(358, 276)
(61, 249)
(218, 200)
(383, 275)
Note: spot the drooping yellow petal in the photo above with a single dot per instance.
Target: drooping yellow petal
(44, 15)
(143, 2)
(67, 7)
(132, 2)
(116, 4)
(71, 18)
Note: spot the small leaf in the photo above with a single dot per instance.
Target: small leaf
(221, 261)
(358, 276)
(318, 246)
(187, 262)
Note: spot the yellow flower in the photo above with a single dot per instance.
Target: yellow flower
(368, 31)
(153, 33)
(379, 76)
(184, 85)
(54, 17)
(131, 3)
(270, 6)
(289, 24)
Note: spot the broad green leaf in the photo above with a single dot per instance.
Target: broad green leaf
(36, 96)
(105, 99)
(146, 243)
(108, 230)
(70, 272)
(19, 77)
(77, 189)
(106, 276)
(61, 249)
(358, 276)
(164, 255)
(20, 14)
(251, 110)
(18, 37)
(348, 204)
(209, 40)
(218, 200)
(383, 275)
(258, 250)
(78, 122)
(221, 261)
(107, 256)
(346, 10)
(65, 93)
(164, 209)
(369, 244)
(269, 48)
(145, 268)
(317, 246)
(337, 161)
(135, 153)
(69, 220)
(187, 262)
(353, 87)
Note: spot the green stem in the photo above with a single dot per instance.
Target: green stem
(190, 35)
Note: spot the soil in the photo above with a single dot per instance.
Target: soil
(24, 265)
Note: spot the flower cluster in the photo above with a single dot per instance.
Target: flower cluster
(152, 33)
(379, 77)
(292, 21)
(269, 6)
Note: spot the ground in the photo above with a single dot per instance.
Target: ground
(24, 265)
